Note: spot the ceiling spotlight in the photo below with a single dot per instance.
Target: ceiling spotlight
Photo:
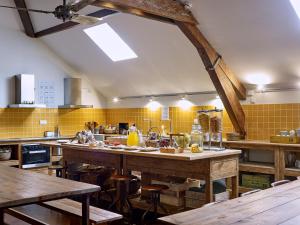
(153, 105)
(184, 104)
(217, 97)
(116, 99)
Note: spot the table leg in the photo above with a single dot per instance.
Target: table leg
(1, 217)
(209, 190)
(85, 210)
(234, 187)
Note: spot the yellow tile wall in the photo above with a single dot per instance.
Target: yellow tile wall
(16, 123)
(181, 120)
(265, 120)
(71, 121)
(262, 121)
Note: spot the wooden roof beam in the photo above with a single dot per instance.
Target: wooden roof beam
(25, 18)
(162, 10)
(222, 78)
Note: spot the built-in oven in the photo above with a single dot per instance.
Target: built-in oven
(35, 155)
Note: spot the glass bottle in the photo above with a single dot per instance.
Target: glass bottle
(196, 138)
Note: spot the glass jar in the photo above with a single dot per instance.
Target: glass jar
(196, 139)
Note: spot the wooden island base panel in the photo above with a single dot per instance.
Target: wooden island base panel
(208, 166)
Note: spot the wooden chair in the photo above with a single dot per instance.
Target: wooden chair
(250, 192)
(280, 182)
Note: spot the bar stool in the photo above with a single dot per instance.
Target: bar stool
(122, 185)
(58, 170)
(155, 191)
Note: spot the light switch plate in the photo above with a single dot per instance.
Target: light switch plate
(43, 122)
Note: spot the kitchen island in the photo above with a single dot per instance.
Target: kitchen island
(208, 166)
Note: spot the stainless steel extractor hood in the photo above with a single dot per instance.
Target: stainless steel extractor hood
(72, 94)
(25, 92)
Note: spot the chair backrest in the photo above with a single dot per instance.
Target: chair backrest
(280, 182)
(250, 192)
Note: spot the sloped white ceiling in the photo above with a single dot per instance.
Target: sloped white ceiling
(254, 37)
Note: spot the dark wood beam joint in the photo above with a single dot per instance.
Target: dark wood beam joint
(215, 64)
(25, 18)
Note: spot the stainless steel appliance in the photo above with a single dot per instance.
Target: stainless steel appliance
(72, 94)
(35, 155)
(25, 92)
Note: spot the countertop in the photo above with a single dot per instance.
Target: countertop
(260, 142)
(17, 140)
(187, 155)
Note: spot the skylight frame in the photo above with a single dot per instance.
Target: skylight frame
(110, 42)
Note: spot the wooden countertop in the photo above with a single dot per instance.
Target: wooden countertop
(20, 187)
(35, 139)
(187, 156)
(260, 143)
(273, 206)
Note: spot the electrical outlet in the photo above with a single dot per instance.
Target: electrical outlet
(43, 122)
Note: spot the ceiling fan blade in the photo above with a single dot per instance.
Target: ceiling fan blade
(86, 20)
(28, 10)
(81, 4)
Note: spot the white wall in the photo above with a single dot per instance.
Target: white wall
(21, 54)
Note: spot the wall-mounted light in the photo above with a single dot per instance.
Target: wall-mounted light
(153, 105)
(115, 100)
(259, 79)
(260, 87)
(184, 104)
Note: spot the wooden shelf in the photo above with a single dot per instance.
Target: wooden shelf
(293, 172)
(257, 167)
(12, 163)
(56, 158)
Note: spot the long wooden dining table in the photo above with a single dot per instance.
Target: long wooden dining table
(20, 187)
(274, 206)
(209, 165)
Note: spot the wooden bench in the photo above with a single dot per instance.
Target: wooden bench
(61, 212)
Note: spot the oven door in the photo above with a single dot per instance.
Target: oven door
(34, 155)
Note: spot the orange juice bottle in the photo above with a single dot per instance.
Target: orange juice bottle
(132, 138)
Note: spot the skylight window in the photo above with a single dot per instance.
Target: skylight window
(296, 6)
(110, 42)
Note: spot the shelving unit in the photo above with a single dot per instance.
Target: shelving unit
(258, 167)
(278, 168)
